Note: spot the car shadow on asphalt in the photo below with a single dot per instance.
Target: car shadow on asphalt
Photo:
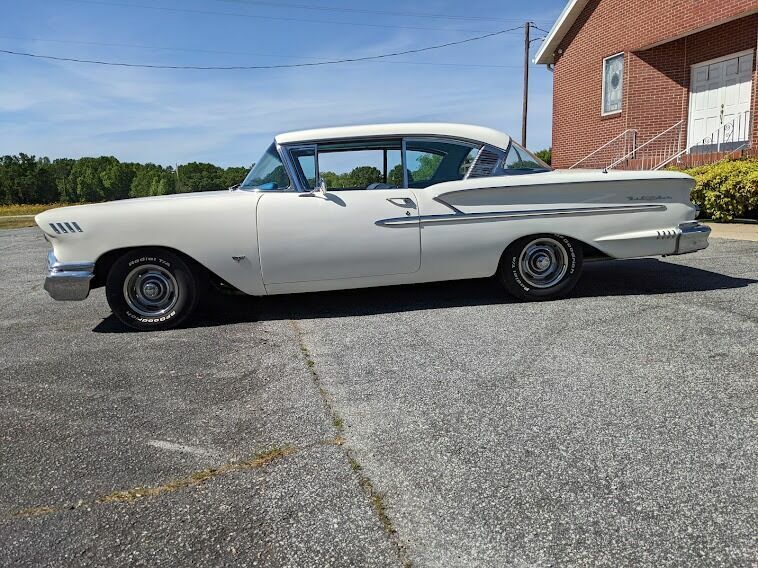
(646, 276)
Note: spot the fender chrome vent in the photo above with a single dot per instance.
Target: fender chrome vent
(666, 234)
(484, 164)
(66, 227)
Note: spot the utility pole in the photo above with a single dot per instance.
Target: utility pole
(524, 109)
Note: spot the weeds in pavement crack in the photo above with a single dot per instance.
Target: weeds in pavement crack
(375, 497)
(197, 478)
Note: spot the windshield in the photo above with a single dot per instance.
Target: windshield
(268, 173)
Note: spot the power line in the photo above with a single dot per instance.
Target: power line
(366, 11)
(270, 18)
(224, 52)
(540, 29)
(250, 67)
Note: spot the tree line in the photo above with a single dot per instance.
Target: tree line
(27, 179)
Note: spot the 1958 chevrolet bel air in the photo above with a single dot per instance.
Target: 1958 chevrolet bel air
(364, 206)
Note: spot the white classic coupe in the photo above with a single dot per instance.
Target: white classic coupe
(364, 206)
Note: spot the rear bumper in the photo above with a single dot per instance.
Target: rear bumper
(68, 280)
(691, 237)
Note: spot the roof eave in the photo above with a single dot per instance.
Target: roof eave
(546, 52)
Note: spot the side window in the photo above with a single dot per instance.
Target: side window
(518, 161)
(361, 165)
(304, 158)
(434, 161)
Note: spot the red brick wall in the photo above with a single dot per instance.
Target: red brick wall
(656, 80)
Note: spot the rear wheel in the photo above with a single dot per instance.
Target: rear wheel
(541, 267)
(151, 289)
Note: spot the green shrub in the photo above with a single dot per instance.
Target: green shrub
(545, 155)
(726, 189)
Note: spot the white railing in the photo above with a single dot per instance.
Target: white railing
(619, 145)
(650, 153)
(731, 136)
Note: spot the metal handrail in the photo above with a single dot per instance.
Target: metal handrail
(611, 141)
(641, 146)
(726, 127)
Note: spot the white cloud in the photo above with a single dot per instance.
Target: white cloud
(63, 109)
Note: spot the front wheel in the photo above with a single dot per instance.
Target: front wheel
(541, 267)
(151, 289)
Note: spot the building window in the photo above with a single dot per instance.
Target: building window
(613, 83)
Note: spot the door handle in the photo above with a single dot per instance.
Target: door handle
(402, 202)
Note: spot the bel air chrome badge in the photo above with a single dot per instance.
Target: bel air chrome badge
(649, 198)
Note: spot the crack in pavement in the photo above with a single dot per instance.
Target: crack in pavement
(375, 497)
(258, 461)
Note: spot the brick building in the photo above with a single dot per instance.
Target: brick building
(647, 83)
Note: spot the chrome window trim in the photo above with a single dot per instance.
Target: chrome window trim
(404, 162)
(294, 171)
(420, 135)
(292, 168)
(295, 168)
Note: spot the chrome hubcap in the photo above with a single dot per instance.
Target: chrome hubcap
(150, 290)
(543, 262)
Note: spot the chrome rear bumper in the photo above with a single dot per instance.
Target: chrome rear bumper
(68, 280)
(691, 237)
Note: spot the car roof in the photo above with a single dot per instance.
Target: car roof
(461, 131)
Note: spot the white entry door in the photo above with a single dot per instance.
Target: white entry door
(314, 237)
(720, 94)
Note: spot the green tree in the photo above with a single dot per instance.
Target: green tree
(61, 171)
(234, 175)
(363, 176)
(545, 155)
(117, 178)
(198, 176)
(427, 166)
(331, 180)
(25, 179)
(395, 176)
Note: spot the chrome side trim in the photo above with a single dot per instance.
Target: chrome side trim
(495, 215)
(68, 280)
(543, 181)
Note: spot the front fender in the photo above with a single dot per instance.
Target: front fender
(216, 229)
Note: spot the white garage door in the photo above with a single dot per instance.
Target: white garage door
(720, 94)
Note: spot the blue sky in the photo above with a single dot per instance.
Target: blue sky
(62, 109)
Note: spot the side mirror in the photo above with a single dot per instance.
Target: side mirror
(320, 189)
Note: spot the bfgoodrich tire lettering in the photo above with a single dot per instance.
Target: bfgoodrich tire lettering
(541, 267)
(151, 289)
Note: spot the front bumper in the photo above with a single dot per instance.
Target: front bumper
(691, 237)
(68, 280)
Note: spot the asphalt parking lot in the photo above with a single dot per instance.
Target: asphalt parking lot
(435, 425)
